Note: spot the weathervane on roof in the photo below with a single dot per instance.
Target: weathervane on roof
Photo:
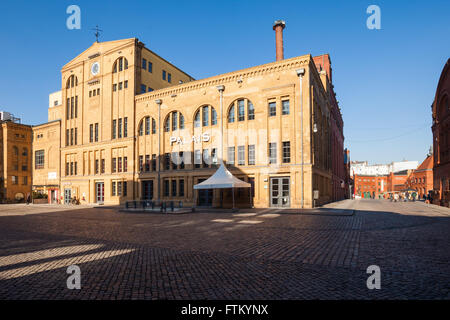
(97, 32)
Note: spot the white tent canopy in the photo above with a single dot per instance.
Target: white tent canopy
(222, 179)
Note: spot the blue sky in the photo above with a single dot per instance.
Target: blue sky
(385, 80)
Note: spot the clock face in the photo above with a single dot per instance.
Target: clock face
(95, 68)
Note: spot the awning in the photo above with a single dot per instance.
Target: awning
(222, 179)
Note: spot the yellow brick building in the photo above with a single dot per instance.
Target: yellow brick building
(125, 113)
(15, 161)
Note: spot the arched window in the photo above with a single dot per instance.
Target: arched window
(213, 116)
(203, 115)
(197, 119)
(147, 126)
(167, 124)
(250, 110)
(141, 128)
(238, 108)
(181, 121)
(231, 114)
(144, 126)
(153, 126)
(176, 119)
(120, 64)
(72, 82)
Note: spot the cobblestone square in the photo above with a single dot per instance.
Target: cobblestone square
(253, 254)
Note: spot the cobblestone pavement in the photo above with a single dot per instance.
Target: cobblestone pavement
(257, 254)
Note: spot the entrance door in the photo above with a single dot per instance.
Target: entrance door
(99, 192)
(280, 192)
(67, 196)
(147, 190)
(205, 196)
(53, 196)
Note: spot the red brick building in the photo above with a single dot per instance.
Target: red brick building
(441, 139)
(370, 186)
(421, 179)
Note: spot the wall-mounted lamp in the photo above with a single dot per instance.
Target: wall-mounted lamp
(314, 128)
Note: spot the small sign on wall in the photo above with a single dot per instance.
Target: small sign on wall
(316, 194)
(52, 176)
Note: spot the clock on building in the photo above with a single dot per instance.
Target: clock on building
(95, 68)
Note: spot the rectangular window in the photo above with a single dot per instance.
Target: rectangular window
(153, 162)
(71, 136)
(71, 168)
(119, 129)
(91, 133)
(114, 129)
(120, 85)
(272, 109)
(115, 87)
(241, 155)
(67, 137)
(174, 188)
(272, 152)
(96, 169)
(96, 132)
(119, 164)
(114, 165)
(169, 77)
(143, 88)
(76, 136)
(125, 189)
(125, 164)
(251, 155)
(125, 127)
(206, 158)
(113, 188)
(76, 106)
(181, 158)
(205, 113)
(125, 84)
(75, 167)
(285, 106)
(15, 179)
(167, 161)
(164, 74)
(286, 151)
(71, 108)
(166, 187)
(68, 109)
(39, 159)
(214, 160)
(25, 181)
(102, 170)
(241, 110)
(147, 162)
(144, 64)
(119, 188)
(67, 169)
(98, 91)
(150, 67)
(90, 94)
(197, 158)
(230, 157)
(181, 188)
(141, 163)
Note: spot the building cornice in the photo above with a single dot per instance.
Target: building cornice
(272, 67)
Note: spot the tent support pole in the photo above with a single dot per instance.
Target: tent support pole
(232, 191)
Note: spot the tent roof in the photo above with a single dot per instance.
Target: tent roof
(222, 179)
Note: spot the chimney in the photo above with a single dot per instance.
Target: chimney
(278, 26)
